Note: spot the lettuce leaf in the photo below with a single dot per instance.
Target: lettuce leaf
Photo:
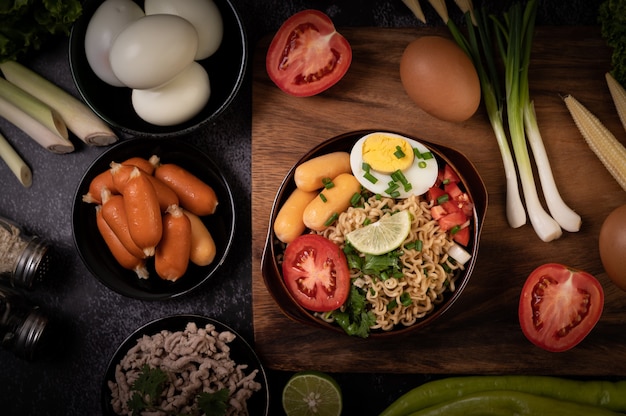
(28, 24)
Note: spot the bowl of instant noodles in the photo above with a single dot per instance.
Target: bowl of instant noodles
(196, 358)
(374, 233)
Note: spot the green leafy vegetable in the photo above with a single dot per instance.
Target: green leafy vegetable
(28, 24)
(612, 17)
(150, 383)
(355, 320)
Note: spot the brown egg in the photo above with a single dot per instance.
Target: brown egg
(612, 245)
(440, 78)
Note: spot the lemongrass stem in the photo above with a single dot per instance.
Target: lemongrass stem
(79, 118)
(34, 118)
(17, 165)
(415, 7)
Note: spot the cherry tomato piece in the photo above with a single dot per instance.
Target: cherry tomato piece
(559, 306)
(307, 55)
(316, 273)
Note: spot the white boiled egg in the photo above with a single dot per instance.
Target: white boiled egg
(153, 50)
(202, 14)
(109, 19)
(176, 101)
(380, 151)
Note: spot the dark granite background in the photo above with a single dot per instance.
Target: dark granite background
(92, 320)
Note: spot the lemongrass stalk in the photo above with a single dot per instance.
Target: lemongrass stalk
(79, 118)
(17, 165)
(415, 7)
(441, 9)
(544, 225)
(34, 118)
(618, 94)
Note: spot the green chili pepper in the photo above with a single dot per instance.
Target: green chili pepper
(510, 403)
(610, 395)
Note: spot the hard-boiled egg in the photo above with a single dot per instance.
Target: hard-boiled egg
(376, 157)
(176, 101)
(109, 19)
(202, 14)
(153, 50)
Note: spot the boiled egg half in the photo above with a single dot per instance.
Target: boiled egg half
(393, 165)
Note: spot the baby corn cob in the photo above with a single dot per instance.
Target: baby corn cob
(602, 142)
(619, 97)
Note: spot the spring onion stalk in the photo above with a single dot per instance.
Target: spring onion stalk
(34, 118)
(516, 52)
(562, 214)
(618, 94)
(17, 165)
(79, 118)
(492, 97)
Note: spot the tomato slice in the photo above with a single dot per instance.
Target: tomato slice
(316, 273)
(307, 55)
(559, 306)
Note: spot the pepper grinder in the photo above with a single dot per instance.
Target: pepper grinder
(24, 258)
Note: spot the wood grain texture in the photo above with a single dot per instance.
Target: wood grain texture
(480, 334)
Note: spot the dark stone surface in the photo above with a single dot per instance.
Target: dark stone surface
(91, 319)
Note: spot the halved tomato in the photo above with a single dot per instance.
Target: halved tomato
(307, 55)
(316, 273)
(559, 306)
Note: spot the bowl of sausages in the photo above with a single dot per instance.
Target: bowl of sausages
(153, 219)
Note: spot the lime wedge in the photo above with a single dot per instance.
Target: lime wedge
(382, 236)
(312, 393)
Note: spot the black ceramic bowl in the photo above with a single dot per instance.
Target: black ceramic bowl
(240, 351)
(96, 255)
(226, 69)
(272, 270)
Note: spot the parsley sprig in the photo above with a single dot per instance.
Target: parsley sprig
(148, 386)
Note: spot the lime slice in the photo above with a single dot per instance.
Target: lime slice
(382, 236)
(312, 393)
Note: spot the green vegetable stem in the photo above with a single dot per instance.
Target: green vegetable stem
(509, 403)
(608, 395)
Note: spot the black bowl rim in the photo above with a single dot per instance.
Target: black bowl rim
(171, 131)
(168, 323)
(272, 276)
(229, 204)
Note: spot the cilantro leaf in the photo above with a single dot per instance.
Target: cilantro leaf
(214, 404)
(355, 320)
(148, 387)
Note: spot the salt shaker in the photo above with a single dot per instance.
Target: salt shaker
(24, 258)
(22, 325)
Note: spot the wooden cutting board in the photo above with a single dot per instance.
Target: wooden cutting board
(481, 333)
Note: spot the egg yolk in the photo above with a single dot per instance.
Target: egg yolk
(387, 154)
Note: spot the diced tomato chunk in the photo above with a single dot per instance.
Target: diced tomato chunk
(434, 193)
(451, 206)
(462, 236)
(438, 212)
(453, 190)
(450, 220)
(449, 175)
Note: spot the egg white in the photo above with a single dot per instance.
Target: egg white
(420, 178)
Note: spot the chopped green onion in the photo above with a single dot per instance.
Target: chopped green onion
(331, 220)
(427, 155)
(366, 166)
(419, 244)
(328, 183)
(356, 198)
(399, 153)
(446, 267)
(323, 197)
(417, 153)
(455, 229)
(367, 221)
(392, 304)
(443, 198)
(422, 164)
(405, 299)
(370, 177)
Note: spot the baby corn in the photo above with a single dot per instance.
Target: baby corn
(602, 142)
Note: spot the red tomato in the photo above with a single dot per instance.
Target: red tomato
(462, 236)
(316, 273)
(559, 306)
(307, 54)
